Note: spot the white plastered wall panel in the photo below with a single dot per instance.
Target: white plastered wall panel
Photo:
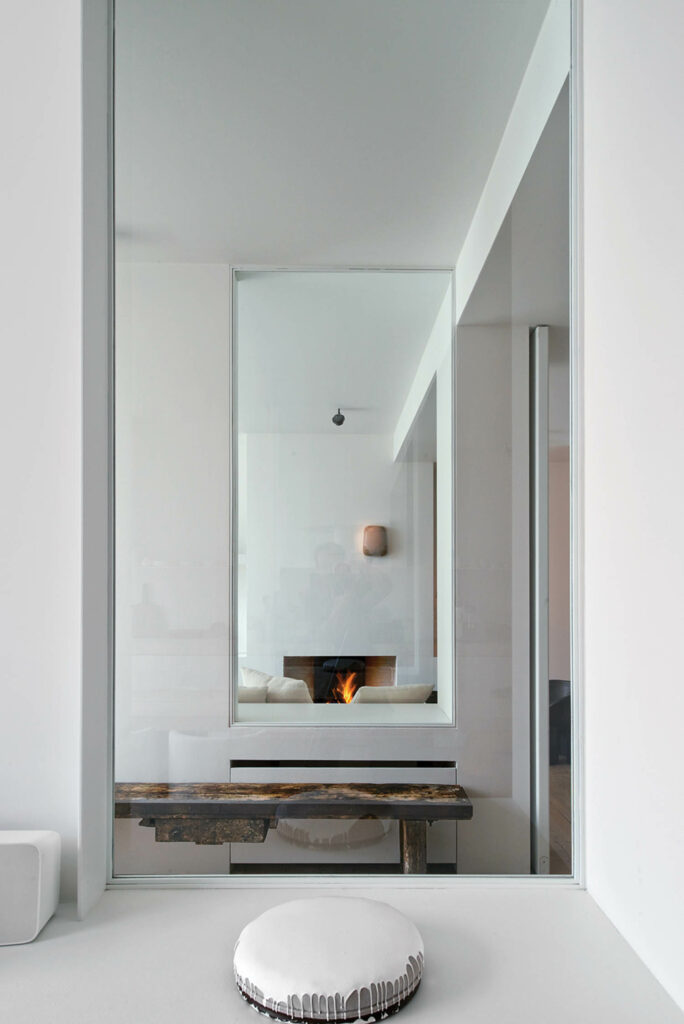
(633, 221)
(97, 624)
(40, 411)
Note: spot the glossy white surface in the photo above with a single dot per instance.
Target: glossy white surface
(330, 947)
(523, 956)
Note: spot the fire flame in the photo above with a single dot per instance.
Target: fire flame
(345, 687)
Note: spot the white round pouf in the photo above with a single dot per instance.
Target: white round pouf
(329, 959)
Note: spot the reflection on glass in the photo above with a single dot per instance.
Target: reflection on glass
(339, 416)
(559, 669)
(327, 535)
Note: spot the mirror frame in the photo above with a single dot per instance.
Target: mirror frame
(448, 720)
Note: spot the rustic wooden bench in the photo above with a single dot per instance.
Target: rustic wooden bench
(240, 812)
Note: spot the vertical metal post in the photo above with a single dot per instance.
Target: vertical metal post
(521, 645)
(539, 703)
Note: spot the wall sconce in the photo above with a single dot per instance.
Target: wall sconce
(374, 541)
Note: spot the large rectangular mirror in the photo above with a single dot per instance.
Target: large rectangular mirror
(343, 352)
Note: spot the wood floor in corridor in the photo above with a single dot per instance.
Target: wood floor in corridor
(560, 818)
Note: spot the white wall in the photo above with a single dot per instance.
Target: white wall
(437, 346)
(40, 412)
(172, 481)
(309, 588)
(489, 761)
(297, 493)
(633, 224)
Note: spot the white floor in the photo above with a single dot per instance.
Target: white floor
(493, 954)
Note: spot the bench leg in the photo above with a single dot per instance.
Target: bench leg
(413, 847)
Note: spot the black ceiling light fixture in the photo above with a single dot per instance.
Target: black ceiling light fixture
(338, 419)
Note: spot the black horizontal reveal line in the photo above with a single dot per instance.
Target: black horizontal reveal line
(242, 763)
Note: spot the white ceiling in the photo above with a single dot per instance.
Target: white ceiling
(310, 131)
(310, 342)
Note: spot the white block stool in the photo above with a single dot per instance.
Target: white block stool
(329, 959)
(29, 883)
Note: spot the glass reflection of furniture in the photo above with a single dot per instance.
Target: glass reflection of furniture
(213, 814)
(559, 721)
(312, 600)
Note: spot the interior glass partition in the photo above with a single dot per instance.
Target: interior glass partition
(338, 590)
(342, 487)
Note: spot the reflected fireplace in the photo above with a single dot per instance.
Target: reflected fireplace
(335, 679)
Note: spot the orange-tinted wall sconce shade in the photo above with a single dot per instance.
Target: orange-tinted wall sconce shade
(375, 541)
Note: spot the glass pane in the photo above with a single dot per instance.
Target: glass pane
(338, 429)
(342, 515)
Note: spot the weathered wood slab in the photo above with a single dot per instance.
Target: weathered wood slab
(210, 813)
(208, 832)
(420, 802)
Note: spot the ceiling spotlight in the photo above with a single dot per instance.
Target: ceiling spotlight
(338, 419)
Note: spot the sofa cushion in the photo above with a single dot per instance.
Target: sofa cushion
(415, 693)
(253, 694)
(282, 690)
(253, 677)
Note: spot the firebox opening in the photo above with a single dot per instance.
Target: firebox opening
(336, 680)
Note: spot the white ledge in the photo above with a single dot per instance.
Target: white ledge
(341, 714)
(523, 955)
